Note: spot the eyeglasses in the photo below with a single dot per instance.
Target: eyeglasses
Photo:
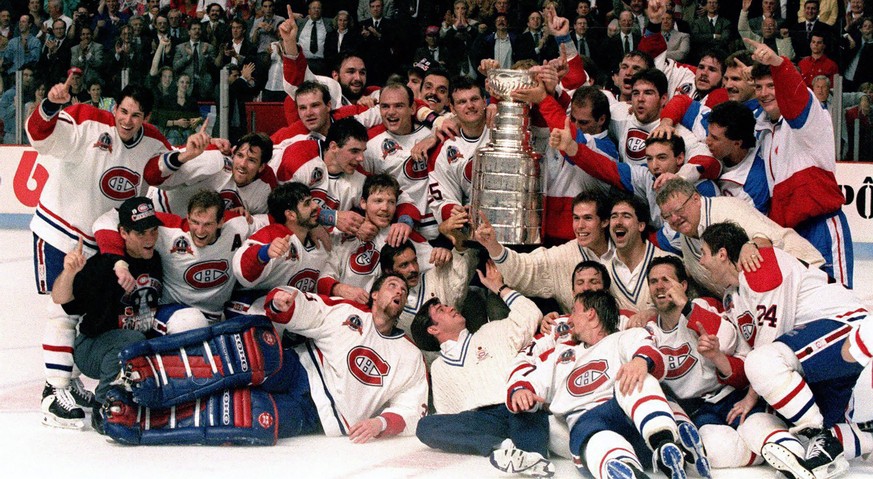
(681, 207)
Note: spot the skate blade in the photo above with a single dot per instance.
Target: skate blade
(834, 469)
(58, 423)
(784, 461)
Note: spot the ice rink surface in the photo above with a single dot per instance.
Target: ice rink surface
(31, 449)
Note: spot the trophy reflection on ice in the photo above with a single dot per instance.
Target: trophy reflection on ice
(506, 174)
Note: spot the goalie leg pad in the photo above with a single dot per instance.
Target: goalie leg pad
(245, 416)
(182, 367)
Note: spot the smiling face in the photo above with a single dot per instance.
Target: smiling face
(738, 88)
(247, 164)
(766, 93)
(468, 105)
(447, 320)
(379, 207)
(396, 110)
(625, 228)
(204, 225)
(659, 279)
(435, 90)
(682, 213)
(305, 214)
(345, 159)
(129, 118)
(587, 225)
(352, 76)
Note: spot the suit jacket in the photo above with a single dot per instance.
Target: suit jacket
(301, 22)
(218, 37)
(54, 65)
(702, 32)
(424, 52)
(800, 39)
(592, 41)
(378, 52)
(527, 48)
(613, 51)
(201, 78)
(333, 47)
(91, 66)
(678, 45)
(248, 53)
(483, 47)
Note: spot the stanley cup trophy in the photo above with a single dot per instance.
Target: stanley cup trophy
(506, 174)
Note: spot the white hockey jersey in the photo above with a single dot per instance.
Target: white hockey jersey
(451, 181)
(575, 379)
(390, 153)
(212, 171)
(96, 171)
(355, 372)
(299, 268)
(784, 294)
(448, 283)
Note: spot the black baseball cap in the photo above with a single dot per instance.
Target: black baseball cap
(138, 213)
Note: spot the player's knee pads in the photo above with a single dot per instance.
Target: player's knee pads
(724, 446)
(186, 319)
(769, 368)
(606, 445)
(761, 428)
(245, 416)
(179, 368)
(648, 408)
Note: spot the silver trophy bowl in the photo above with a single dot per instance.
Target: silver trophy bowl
(506, 175)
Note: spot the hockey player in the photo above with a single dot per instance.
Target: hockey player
(357, 376)
(389, 152)
(607, 391)
(102, 160)
(243, 180)
(544, 271)
(797, 138)
(705, 375)
(196, 253)
(689, 214)
(354, 264)
(330, 170)
(112, 317)
(282, 253)
(796, 320)
(476, 422)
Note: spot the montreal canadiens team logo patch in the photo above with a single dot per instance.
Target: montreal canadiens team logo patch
(415, 169)
(367, 366)
(207, 275)
(365, 259)
(587, 378)
(119, 183)
(231, 199)
(305, 280)
(635, 144)
(679, 360)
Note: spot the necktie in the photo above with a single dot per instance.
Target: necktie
(196, 60)
(712, 21)
(536, 37)
(313, 38)
(627, 46)
(376, 24)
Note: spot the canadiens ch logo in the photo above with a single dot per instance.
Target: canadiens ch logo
(389, 146)
(315, 177)
(181, 245)
(587, 378)
(453, 154)
(746, 323)
(635, 144)
(365, 259)
(119, 183)
(324, 200)
(415, 169)
(679, 360)
(265, 419)
(367, 366)
(354, 323)
(207, 275)
(305, 280)
(269, 338)
(104, 142)
(468, 172)
(231, 199)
